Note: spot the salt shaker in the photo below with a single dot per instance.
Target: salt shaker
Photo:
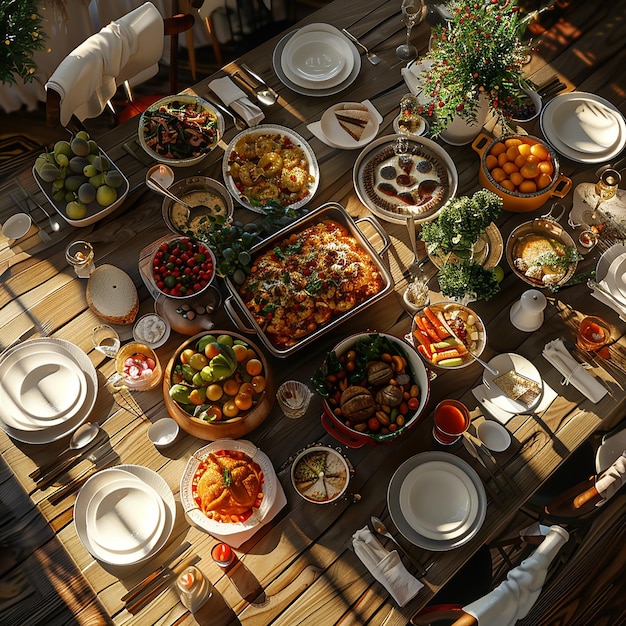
(527, 313)
(193, 588)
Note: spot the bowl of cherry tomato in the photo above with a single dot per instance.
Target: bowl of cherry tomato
(182, 267)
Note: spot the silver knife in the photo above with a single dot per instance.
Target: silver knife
(259, 78)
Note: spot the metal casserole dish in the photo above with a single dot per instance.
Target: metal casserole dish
(330, 211)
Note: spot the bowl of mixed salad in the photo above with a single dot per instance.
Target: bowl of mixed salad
(180, 130)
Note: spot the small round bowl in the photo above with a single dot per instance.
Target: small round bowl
(453, 314)
(152, 329)
(163, 432)
(185, 286)
(139, 382)
(197, 190)
(320, 475)
(172, 106)
(495, 436)
(17, 226)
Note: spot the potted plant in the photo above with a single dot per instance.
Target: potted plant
(475, 63)
(20, 30)
(453, 241)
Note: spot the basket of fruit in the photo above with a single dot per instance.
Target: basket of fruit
(80, 181)
(374, 388)
(218, 385)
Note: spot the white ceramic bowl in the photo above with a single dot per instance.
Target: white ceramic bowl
(495, 436)
(163, 432)
(17, 226)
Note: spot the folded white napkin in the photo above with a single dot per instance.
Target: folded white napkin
(413, 78)
(610, 482)
(316, 127)
(616, 302)
(558, 355)
(232, 96)
(481, 393)
(386, 567)
(127, 49)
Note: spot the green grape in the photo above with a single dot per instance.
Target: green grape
(90, 170)
(61, 159)
(79, 146)
(106, 195)
(62, 147)
(49, 172)
(102, 163)
(75, 210)
(83, 134)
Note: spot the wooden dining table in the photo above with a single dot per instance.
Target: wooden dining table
(299, 567)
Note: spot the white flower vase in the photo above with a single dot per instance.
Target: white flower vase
(463, 130)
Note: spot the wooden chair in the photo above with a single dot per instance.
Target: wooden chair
(172, 27)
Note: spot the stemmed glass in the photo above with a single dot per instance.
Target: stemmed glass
(413, 12)
(606, 188)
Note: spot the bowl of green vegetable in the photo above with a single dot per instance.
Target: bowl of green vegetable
(180, 130)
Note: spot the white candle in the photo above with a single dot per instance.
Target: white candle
(163, 174)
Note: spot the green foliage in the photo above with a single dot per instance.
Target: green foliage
(21, 36)
(463, 278)
(461, 222)
(478, 52)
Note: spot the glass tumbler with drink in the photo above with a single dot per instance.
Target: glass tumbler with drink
(593, 333)
(452, 419)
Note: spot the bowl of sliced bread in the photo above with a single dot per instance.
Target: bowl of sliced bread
(350, 125)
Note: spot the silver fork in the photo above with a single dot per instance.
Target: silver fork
(373, 58)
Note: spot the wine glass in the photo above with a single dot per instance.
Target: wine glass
(413, 12)
(606, 188)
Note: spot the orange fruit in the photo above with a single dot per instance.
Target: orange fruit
(512, 141)
(212, 349)
(498, 148)
(254, 367)
(540, 151)
(185, 355)
(214, 392)
(197, 396)
(498, 174)
(258, 382)
(520, 161)
(512, 153)
(214, 412)
(524, 148)
(247, 388)
(230, 409)
(241, 352)
(528, 186)
(230, 387)
(543, 181)
(502, 159)
(509, 168)
(546, 167)
(529, 169)
(243, 401)
(507, 184)
(491, 161)
(516, 178)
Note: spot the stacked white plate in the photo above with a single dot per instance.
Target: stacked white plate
(611, 274)
(437, 501)
(48, 387)
(124, 514)
(584, 127)
(316, 60)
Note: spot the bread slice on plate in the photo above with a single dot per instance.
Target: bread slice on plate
(353, 119)
(112, 295)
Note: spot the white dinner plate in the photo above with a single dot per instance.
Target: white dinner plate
(402, 524)
(439, 500)
(58, 431)
(610, 451)
(308, 91)
(563, 145)
(317, 58)
(102, 478)
(338, 137)
(616, 276)
(112, 519)
(42, 388)
(192, 510)
(507, 362)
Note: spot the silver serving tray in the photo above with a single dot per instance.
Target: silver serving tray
(332, 211)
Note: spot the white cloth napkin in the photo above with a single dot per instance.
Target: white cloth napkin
(616, 302)
(481, 393)
(127, 49)
(316, 127)
(233, 96)
(385, 566)
(558, 355)
(610, 482)
(413, 77)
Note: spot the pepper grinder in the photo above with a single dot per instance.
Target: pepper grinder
(193, 588)
(527, 313)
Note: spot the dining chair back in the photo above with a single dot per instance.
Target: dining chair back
(125, 51)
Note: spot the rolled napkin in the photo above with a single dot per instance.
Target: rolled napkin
(385, 566)
(127, 49)
(232, 96)
(610, 482)
(557, 354)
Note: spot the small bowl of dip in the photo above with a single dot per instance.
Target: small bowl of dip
(197, 190)
(151, 329)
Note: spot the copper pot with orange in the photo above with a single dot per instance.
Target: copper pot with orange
(374, 388)
(523, 170)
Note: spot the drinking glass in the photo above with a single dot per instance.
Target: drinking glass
(105, 340)
(606, 188)
(593, 333)
(452, 419)
(413, 12)
(80, 255)
(293, 398)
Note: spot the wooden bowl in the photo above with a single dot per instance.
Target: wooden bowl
(232, 428)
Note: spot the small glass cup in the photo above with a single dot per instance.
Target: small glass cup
(80, 255)
(141, 381)
(593, 333)
(105, 340)
(293, 398)
(452, 419)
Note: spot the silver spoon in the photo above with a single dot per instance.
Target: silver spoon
(491, 370)
(381, 529)
(52, 220)
(155, 185)
(84, 435)
(263, 94)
